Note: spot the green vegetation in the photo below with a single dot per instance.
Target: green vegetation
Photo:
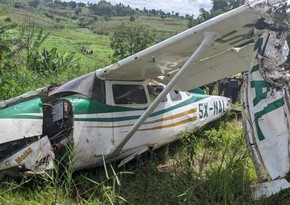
(201, 169)
(43, 42)
(130, 39)
(209, 167)
(218, 7)
(66, 40)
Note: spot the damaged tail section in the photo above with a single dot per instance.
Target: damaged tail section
(32, 133)
(265, 100)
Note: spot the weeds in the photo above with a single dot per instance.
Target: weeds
(208, 167)
(220, 164)
(63, 186)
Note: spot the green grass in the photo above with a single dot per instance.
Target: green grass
(19, 16)
(168, 27)
(66, 36)
(210, 167)
(73, 40)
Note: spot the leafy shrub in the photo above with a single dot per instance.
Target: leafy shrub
(129, 39)
(74, 17)
(95, 17)
(50, 61)
(8, 19)
(34, 3)
(132, 18)
(85, 21)
(15, 79)
(19, 5)
(78, 10)
(9, 38)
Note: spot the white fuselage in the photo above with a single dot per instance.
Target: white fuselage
(180, 111)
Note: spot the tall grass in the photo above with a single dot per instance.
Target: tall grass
(207, 167)
(63, 186)
(210, 166)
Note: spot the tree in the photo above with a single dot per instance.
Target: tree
(236, 3)
(85, 21)
(78, 10)
(129, 39)
(81, 4)
(192, 22)
(122, 10)
(72, 4)
(163, 16)
(34, 3)
(226, 5)
(145, 10)
(218, 7)
(204, 15)
(219, 4)
(101, 8)
(58, 2)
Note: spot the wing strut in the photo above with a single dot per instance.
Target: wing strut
(209, 38)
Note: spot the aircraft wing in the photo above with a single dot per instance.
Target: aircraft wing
(231, 53)
(225, 64)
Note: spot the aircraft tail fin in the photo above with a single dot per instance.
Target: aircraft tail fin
(265, 100)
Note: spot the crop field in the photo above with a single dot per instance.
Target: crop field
(66, 36)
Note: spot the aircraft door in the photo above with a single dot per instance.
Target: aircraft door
(130, 99)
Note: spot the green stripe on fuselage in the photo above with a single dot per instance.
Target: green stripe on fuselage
(31, 109)
(86, 106)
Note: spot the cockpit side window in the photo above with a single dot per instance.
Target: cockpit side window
(154, 91)
(175, 95)
(129, 94)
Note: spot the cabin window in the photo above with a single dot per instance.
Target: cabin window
(129, 94)
(154, 91)
(175, 95)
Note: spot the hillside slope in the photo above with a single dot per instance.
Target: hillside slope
(68, 34)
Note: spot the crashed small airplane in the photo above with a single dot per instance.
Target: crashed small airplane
(142, 103)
